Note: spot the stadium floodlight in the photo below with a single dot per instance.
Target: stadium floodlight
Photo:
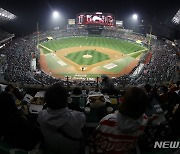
(135, 16)
(55, 14)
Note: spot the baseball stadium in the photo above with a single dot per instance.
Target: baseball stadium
(89, 56)
(75, 80)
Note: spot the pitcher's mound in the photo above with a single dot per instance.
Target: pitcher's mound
(87, 56)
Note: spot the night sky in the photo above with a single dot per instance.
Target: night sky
(30, 12)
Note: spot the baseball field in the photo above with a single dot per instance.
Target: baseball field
(89, 57)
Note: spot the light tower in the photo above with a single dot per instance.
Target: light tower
(134, 21)
(56, 19)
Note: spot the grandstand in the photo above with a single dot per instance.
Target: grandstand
(5, 37)
(78, 56)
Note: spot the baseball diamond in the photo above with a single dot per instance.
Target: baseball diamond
(89, 56)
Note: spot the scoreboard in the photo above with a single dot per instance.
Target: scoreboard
(97, 18)
(71, 22)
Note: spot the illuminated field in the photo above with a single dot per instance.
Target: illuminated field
(99, 55)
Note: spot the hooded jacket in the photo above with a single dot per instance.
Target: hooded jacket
(118, 134)
(53, 122)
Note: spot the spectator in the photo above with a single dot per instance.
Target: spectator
(9, 88)
(95, 91)
(60, 126)
(164, 96)
(15, 130)
(75, 99)
(165, 131)
(77, 91)
(119, 132)
(107, 85)
(175, 88)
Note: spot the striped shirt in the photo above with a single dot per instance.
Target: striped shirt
(110, 136)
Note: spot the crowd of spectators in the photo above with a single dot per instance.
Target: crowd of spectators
(162, 67)
(4, 35)
(18, 55)
(140, 116)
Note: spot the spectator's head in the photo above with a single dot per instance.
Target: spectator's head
(148, 88)
(77, 91)
(104, 77)
(164, 89)
(9, 88)
(7, 104)
(134, 103)
(17, 93)
(56, 97)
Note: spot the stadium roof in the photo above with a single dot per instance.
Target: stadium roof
(6, 15)
(176, 18)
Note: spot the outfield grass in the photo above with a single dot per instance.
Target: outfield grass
(112, 43)
(77, 57)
